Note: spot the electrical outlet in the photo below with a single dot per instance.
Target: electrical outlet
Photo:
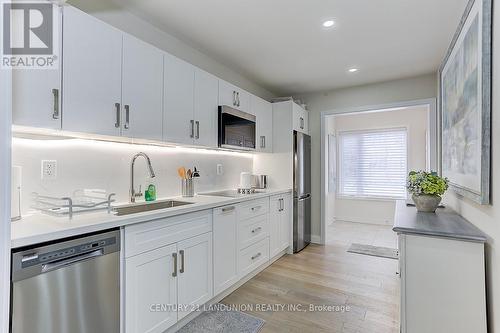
(49, 169)
(220, 170)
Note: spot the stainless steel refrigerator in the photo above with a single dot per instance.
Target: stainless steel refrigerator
(301, 191)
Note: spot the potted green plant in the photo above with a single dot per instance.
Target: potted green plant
(426, 189)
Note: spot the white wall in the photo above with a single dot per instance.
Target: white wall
(421, 87)
(415, 120)
(117, 16)
(106, 165)
(487, 218)
(5, 125)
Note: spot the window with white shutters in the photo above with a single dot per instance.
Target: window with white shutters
(373, 163)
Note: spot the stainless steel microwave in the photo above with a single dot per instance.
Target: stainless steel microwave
(236, 129)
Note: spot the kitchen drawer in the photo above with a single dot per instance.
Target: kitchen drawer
(143, 237)
(253, 208)
(253, 230)
(253, 256)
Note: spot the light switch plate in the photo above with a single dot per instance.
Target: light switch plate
(220, 170)
(49, 169)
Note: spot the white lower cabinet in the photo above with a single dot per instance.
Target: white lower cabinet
(165, 284)
(225, 248)
(151, 286)
(195, 285)
(280, 222)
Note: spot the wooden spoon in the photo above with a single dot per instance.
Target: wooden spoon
(182, 172)
(189, 174)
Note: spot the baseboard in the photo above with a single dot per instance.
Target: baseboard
(225, 293)
(315, 239)
(363, 221)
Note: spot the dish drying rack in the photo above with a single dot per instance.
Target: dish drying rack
(82, 201)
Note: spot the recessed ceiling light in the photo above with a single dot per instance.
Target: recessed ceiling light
(353, 70)
(328, 23)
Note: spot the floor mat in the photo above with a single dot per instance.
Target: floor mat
(223, 322)
(375, 251)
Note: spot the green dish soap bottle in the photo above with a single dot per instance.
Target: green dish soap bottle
(150, 194)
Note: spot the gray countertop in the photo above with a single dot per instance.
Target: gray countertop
(444, 223)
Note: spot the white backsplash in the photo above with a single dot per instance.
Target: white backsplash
(106, 165)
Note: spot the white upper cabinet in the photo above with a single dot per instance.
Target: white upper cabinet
(263, 110)
(92, 53)
(178, 102)
(300, 119)
(206, 90)
(233, 96)
(36, 95)
(142, 89)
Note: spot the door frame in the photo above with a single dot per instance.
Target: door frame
(5, 175)
(433, 151)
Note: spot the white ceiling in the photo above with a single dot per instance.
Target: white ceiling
(281, 45)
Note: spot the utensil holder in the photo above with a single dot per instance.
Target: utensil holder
(187, 187)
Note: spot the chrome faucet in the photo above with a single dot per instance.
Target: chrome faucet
(133, 193)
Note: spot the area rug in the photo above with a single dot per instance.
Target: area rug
(223, 322)
(375, 251)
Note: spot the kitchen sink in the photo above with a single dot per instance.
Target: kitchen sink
(147, 206)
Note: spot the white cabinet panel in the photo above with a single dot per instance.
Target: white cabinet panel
(151, 281)
(263, 110)
(253, 256)
(195, 285)
(300, 119)
(36, 95)
(252, 230)
(233, 96)
(225, 248)
(142, 89)
(274, 226)
(280, 223)
(206, 90)
(92, 53)
(178, 102)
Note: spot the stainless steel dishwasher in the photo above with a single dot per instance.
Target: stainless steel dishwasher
(72, 286)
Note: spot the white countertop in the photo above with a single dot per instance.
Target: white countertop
(37, 228)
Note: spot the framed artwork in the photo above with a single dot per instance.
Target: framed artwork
(465, 104)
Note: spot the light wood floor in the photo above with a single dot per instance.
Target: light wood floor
(328, 275)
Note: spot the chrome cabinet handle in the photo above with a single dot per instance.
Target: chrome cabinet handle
(117, 107)
(256, 208)
(181, 252)
(228, 209)
(262, 141)
(238, 99)
(301, 123)
(174, 273)
(192, 129)
(197, 130)
(55, 114)
(256, 230)
(256, 256)
(127, 116)
(234, 98)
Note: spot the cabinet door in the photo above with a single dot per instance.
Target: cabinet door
(178, 103)
(263, 110)
(274, 226)
(286, 220)
(206, 90)
(151, 283)
(300, 119)
(195, 285)
(233, 96)
(92, 74)
(36, 95)
(142, 90)
(225, 248)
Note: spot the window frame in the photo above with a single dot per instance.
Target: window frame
(341, 195)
